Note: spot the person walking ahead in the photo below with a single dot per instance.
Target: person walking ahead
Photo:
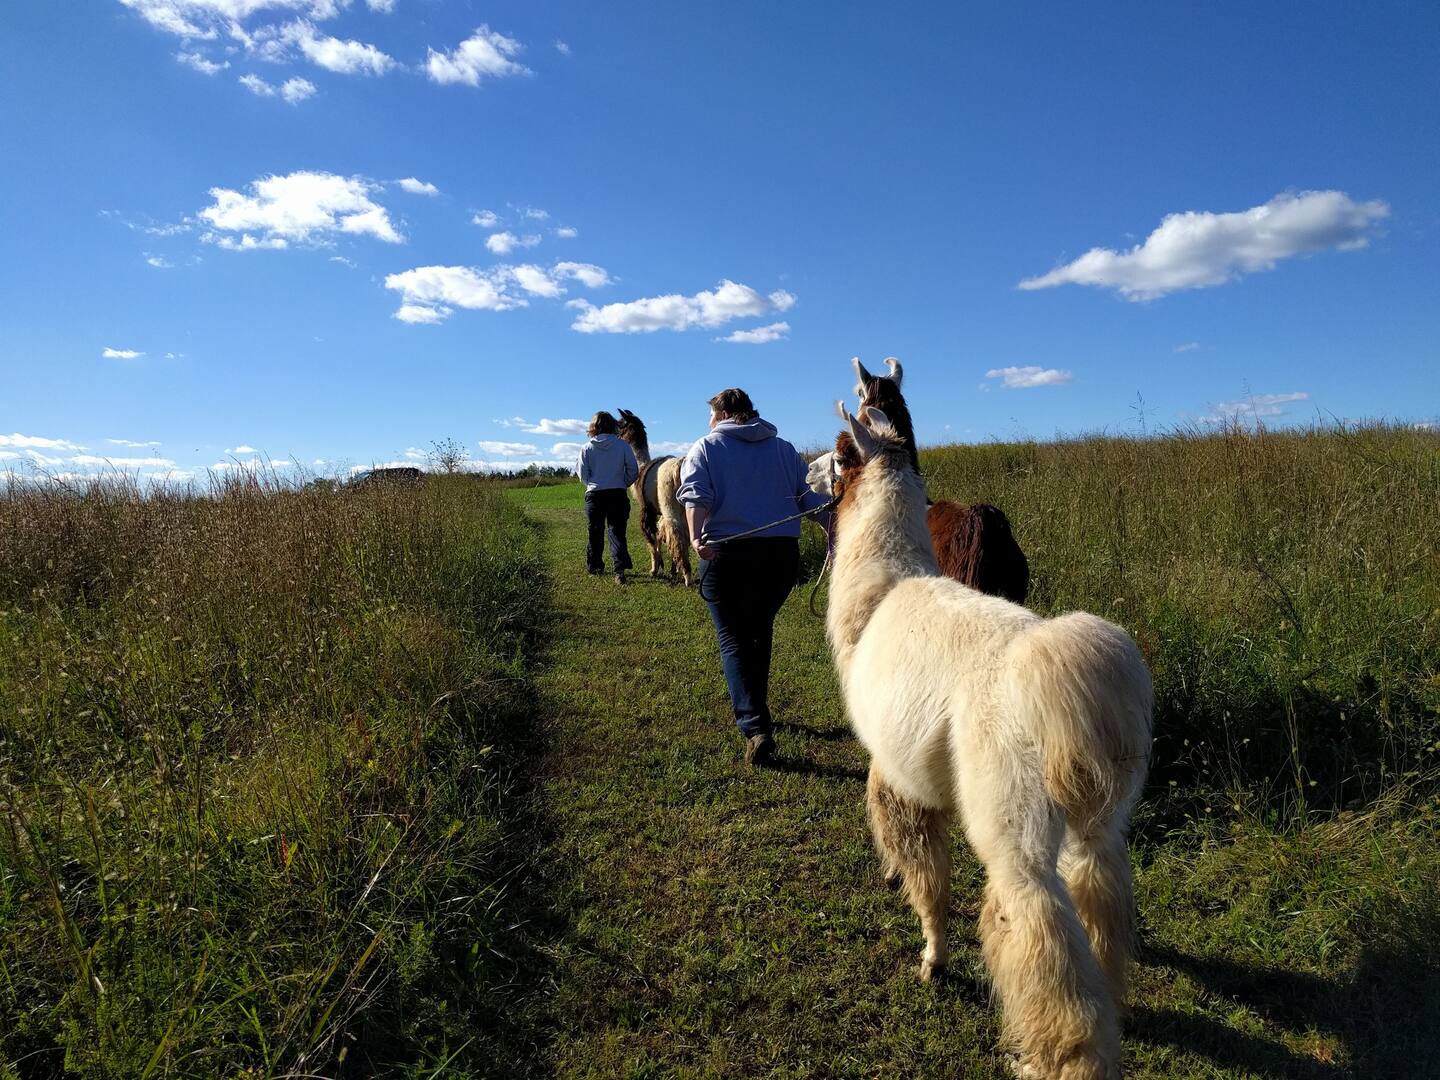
(739, 477)
(606, 466)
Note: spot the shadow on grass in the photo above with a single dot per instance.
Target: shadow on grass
(814, 768)
(837, 734)
(1383, 1016)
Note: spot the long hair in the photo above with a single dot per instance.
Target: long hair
(602, 424)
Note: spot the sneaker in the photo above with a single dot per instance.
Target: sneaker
(759, 750)
(620, 578)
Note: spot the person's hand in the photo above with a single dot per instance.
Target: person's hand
(704, 550)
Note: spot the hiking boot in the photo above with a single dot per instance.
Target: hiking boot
(759, 750)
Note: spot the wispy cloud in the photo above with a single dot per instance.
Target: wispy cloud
(430, 294)
(1189, 346)
(1021, 378)
(562, 48)
(1199, 249)
(709, 308)
(567, 232)
(291, 91)
(1256, 406)
(301, 207)
(546, 426)
(760, 335)
(200, 63)
(121, 354)
(334, 54)
(507, 449)
(133, 443)
(418, 187)
(502, 243)
(486, 219)
(485, 54)
(37, 442)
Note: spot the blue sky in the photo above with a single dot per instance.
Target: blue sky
(1042, 210)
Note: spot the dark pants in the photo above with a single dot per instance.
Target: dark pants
(609, 507)
(744, 585)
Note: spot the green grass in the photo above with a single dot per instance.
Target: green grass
(382, 783)
(259, 756)
(711, 920)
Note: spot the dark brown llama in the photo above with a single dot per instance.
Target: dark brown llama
(662, 519)
(973, 544)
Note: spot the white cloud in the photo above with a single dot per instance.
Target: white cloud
(418, 187)
(292, 91)
(122, 462)
(414, 453)
(38, 442)
(1256, 405)
(385, 7)
(562, 48)
(536, 281)
(567, 232)
(333, 54)
(429, 291)
(245, 243)
(484, 54)
(200, 63)
(567, 449)
(1189, 346)
(206, 19)
(159, 262)
(761, 335)
(1198, 249)
(133, 442)
(486, 219)
(710, 308)
(1020, 378)
(663, 447)
(545, 426)
(121, 354)
(300, 207)
(296, 90)
(241, 449)
(588, 274)
(507, 449)
(535, 214)
(420, 314)
(502, 243)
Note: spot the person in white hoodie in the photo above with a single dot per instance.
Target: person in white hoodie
(606, 466)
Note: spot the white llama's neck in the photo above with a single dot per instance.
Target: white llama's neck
(881, 539)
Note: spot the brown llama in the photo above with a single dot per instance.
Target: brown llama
(662, 518)
(973, 544)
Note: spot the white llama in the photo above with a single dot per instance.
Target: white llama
(1036, 730)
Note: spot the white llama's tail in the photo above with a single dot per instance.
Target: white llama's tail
(1082, 692)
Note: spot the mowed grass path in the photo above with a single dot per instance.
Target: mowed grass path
(707, 919)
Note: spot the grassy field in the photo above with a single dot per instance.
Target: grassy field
(383, 783)
(259, 756)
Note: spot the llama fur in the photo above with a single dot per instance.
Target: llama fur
(662, 517)
(1036, 732)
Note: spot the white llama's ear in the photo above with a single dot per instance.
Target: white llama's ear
(864, 441)
(897, 373)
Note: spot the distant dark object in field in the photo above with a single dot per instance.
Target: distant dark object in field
(403, 476)
(973, 544)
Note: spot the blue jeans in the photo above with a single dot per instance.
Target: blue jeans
(744, 586)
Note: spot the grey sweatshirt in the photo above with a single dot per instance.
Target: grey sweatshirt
(746, 476)
(606, 462)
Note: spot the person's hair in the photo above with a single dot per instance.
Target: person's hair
(603, 424)
(735, 403)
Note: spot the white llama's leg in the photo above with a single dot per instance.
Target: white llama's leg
(1056, 1007)
(1096, 869)
(914, 846)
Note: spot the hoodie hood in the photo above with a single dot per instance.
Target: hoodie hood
(756, 430)
(603, 438)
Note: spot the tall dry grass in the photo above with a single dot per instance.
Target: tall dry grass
(1284, 585)
(259, 752)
